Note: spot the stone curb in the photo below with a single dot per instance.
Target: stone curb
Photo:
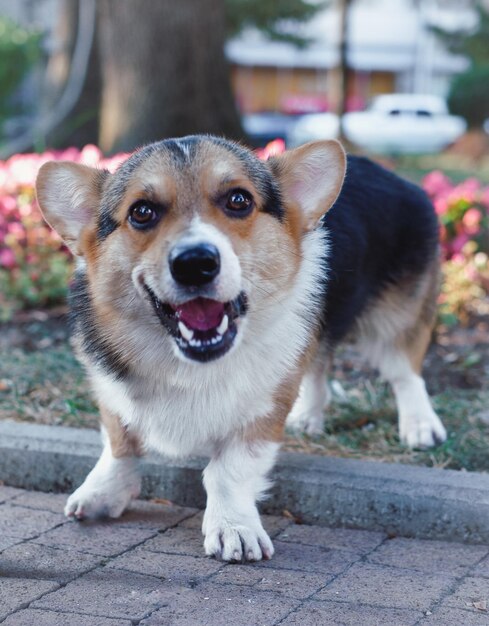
(397, 499)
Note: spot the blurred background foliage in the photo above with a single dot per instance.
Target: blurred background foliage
(20, 50)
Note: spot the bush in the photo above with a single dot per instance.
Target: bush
(463, 211)
(19, 51)
(34, 263)
(469, 95)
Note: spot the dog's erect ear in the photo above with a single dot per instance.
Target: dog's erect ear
(311, 176)
(69, 196)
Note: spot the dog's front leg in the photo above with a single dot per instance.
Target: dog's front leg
(234, 480)
(115, 479)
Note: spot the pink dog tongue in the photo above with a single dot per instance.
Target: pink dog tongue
(201, 313)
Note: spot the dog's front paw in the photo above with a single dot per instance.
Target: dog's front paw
(422, 431)
(238, 543)
(107, 491)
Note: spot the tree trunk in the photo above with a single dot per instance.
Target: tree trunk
(164, 73)
(344, 23)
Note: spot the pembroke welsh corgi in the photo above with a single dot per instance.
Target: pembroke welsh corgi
(209, 285)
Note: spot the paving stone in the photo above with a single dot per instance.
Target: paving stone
(105, 538)
(16, 593)
(379, 585)
(6, 541)
(193, 522)
(292, 584)
(309, 558)
(171, 567)
(335, 613)
(179, 540)
(224, 605)
(41, 617)
(16, 521)
(154, 515)
(275, 524)
(54, 502)
(31, 560)
(482, 568)
(428, 556)
(470, 590)
(112, 593)
(235, 574)
(446, 616)
(7, 493)
(360, 541)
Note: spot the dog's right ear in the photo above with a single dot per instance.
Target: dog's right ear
(69, 197)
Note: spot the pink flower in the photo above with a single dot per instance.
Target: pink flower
(471, 221)
(441, 205)
(7, 258)
(436, 182)
(277, 146)
(459, 242)
(91, 155)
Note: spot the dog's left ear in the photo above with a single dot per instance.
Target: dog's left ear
(311, 177)
(69, 196)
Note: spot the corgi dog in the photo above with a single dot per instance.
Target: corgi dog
(210, 291)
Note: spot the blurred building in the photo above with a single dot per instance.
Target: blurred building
(391, 48)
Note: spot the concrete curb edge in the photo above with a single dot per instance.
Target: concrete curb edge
(397, 499)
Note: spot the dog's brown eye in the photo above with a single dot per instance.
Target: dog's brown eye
(143, 215)
(239, 201)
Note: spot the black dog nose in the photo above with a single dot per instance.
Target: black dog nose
(196, 266)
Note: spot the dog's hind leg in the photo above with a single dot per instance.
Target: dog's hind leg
(115, 479)
(307, 414)
(400, 365)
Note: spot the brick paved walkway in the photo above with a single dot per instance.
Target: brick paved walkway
(148, 569)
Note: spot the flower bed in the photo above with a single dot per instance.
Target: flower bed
(35, 265)
(463, 211)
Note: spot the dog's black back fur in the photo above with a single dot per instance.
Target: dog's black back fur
(382, 230)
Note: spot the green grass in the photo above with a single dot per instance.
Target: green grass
(364, 426)
(48, 386)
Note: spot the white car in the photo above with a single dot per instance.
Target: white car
(404, 123)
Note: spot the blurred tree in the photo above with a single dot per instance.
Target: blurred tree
(163, 71)
(345, 6)
(19, 51)
(158, 69)
(474, 45)
(469, 91)
(271, 17)
(73, 70)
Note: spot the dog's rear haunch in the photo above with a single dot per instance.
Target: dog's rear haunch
(209, 286)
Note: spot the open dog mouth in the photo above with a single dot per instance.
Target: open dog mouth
(204, 329)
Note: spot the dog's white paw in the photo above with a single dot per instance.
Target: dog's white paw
(107, 490)
(422, 431)
(237, 542)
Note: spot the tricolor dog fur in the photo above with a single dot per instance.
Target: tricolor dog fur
(210, 292)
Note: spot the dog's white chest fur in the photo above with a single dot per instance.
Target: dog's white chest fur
(180, 408)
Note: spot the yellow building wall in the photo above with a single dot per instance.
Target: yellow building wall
(265, 88)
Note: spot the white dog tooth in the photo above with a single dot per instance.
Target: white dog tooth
(185, 332)
(223, 326)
